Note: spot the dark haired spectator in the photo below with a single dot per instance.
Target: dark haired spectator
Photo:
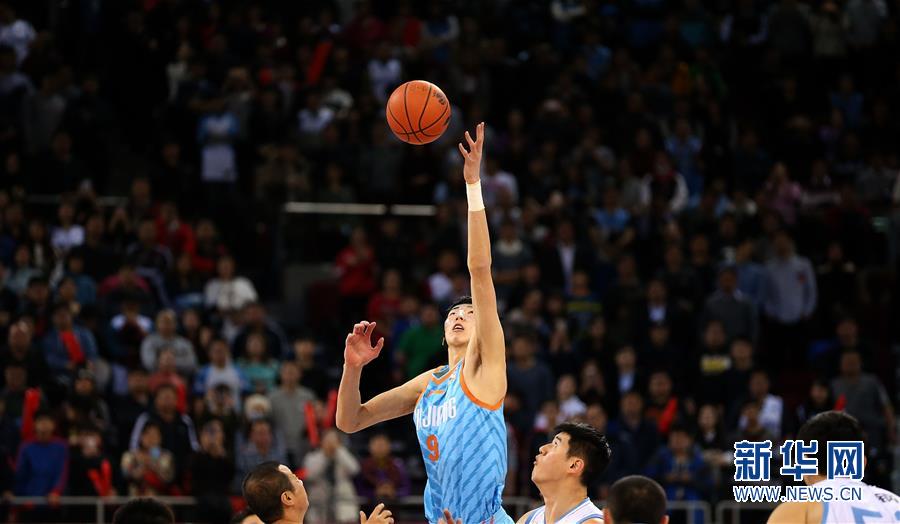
(42, 465)
(166, 337)
(291, 404)
(529, 378)
(177, 430)
(220, 371)
(680, 467)
(382, 475)
(211, 471)
(329, 473)
(635, 432)
(68, 347)
(149, 467)
(256, 320)
(259, 444)
(863, 396)
(20, 349)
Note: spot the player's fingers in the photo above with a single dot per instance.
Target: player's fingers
(469, 140)
(362, 517)
(386, 513)
(378, 508)
(357, 329)
(463, 150)
(447, 516)
(379, 345)
(368, 329)
(348, 338)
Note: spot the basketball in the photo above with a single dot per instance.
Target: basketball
(418, 112)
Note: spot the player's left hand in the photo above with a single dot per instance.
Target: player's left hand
(472, 156)
(379, 515)
(448, 518)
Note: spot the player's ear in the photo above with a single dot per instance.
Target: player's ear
(576, 466)
(665, 520)
(287, 498)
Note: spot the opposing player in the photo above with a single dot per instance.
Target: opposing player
(275, 495)
(877, 505)
(458, 416)
(635, 499)
(562, 471)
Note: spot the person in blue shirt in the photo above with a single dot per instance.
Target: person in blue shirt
(42, 466)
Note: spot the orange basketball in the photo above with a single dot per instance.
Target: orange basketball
(418, 112)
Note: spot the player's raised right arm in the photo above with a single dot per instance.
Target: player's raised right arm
(352, 415)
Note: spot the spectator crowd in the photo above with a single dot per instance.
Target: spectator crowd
(693, 205)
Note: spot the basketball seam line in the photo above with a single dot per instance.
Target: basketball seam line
(406, 110)
(424, 106)
(399, 123)
(438, 119)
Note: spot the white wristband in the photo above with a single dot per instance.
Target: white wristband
(473, 195)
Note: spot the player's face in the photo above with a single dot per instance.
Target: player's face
(552, 461)
(459, 325)
(301, 500)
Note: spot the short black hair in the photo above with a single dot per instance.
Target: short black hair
(588, 444)
(465, 299)
(830, 426)
(636, 498)
(262, 489)
(144, 511)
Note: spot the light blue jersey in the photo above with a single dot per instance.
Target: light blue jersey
(463, 443)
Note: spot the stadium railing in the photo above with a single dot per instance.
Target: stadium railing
(738, 509)
(697, 512)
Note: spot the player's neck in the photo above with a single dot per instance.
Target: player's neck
(560, 498)
(455, 356)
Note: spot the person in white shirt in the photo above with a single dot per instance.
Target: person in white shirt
(877, 505)
(68, 234)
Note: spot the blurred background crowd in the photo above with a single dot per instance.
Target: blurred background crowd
(694, 223)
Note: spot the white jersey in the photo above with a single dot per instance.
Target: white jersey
(577, 515)
(878, 506)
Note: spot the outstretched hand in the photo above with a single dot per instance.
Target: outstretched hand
(379, 515)
(358, 349)
(472, 156)
(448, 518)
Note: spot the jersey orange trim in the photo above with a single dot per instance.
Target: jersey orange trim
(489, 407)
(448, 374)
(435, 392)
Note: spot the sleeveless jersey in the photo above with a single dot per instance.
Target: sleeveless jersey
(581, 513)
(877, 505)
(463, 443)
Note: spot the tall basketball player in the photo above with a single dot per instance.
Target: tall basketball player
(877, 505)
(458, 416)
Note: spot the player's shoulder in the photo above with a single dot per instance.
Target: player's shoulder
(796, 513)
(527, 517)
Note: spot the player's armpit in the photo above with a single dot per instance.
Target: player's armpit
(790, 513)
(391, 404)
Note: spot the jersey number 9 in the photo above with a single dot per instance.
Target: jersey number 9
(432, 444)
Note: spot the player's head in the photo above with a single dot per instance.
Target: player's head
(830, 426)
(460, 323)
(578, 451)
(273, 492)
(635, 499)
(144, 511)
